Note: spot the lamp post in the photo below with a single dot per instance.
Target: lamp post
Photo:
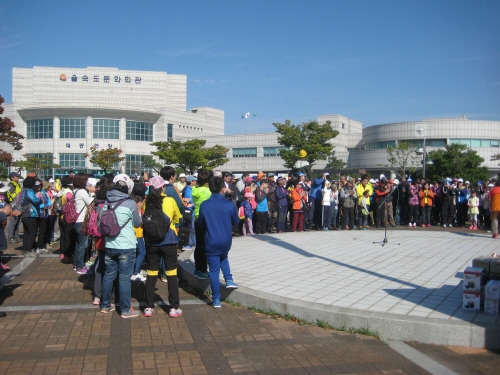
(421, 151)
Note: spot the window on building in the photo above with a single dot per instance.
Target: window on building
(273, 151)
(494, 143)
(170, 131)
(475, 143)
(248, 152)
(343, 126)
(139, 131)
(133, 164)
(40, 129)
(72, 128)
(72, 160)
(379, 145)
(435, 142)
(106, 129)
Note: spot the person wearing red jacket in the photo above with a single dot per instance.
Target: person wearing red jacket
(381, 193)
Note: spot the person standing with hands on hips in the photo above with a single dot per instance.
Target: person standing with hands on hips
(217, 217)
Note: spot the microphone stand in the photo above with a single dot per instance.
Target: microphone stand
(384, 241)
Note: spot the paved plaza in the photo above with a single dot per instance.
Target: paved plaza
(52, 327)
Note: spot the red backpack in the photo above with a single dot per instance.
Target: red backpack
(93, 226)
(69, 210)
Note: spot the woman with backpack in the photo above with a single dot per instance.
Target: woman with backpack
(82, 200)
(66, 234)
(160, 218)
(30, 214)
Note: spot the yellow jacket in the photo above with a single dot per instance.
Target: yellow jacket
(15, 189)
(169, 208)
(360, 189)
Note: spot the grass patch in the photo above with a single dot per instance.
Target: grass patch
(232, 303)
(364, 331)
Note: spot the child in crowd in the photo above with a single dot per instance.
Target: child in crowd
(247, 226)
(473, 211)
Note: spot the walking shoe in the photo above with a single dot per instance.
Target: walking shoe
(410, 225)
(428, 225)
(148, 312)
(444, 225)
(230, 284)
(187, 248)
(105, 310)
(325, 228)
(164, 280)
(30, 254)
(84, 271)
(216, 303)
(130, 314)
(4, 267)
(201, 275)
(61, 256)
(42, 250)
(174, 313)
(96, 301)
(52, 243)
(495, 235)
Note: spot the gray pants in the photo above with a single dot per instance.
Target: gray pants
(13, 228)
(494, 222)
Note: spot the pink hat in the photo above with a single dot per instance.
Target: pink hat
(249, 180)
(248, 195)
(157, 182)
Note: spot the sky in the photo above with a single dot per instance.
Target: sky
(373, 61)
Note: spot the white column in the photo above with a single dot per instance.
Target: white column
(123, 138)
(89, 132)
(55, 141)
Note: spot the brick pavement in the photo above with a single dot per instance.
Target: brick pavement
(231, 340)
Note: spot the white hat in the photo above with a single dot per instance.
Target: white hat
(126, 179)
(460, 180)
(182, 175)
(467, 182)
(490, 185)
(51, 180)
(4, 189)
(382, 176)
(92, 181)
(372, 180)
(396, 181)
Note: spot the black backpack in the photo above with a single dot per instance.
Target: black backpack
(185, 229)
(154, 225)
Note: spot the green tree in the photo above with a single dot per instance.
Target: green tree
(148, 162)
(308, 136)
(334, 164)
(10, 136)
(36, 164)
(190, 155)
(402, 158)
(457, 160)
(106, 158)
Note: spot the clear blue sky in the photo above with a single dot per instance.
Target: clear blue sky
(373, 61)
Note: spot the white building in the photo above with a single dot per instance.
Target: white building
(65, 111)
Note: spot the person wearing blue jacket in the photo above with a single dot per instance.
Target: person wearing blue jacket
(462, 195)
(261, 211)
(120, 250)
(315, 198)
(216, 219)
(30, 214)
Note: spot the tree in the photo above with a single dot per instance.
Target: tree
(106, 158)
(8, 135)
(308, 136)
(457, 160)
(36, 164)
(402, 158)
(191, 155)
(148, 162)
(334, 164)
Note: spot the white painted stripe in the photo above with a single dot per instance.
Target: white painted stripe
(419, 358)
(16, 271)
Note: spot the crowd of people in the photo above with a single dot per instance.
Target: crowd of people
(115, 226)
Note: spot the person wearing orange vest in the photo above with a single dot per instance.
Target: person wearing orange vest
(494, 198)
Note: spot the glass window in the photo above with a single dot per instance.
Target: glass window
(139, 131)
(39, 129)
(72, 160)
(249, 152)
(485, 143)
(72, 128)
(475, 143)
(435, 142)
(494, 143)
(273, 151)
(106, 129)
(133, 164)
(170, 131)
(45, 173)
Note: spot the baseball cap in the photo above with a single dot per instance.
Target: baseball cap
(372, 180)
(157, 182)
(396, 181)
(133, 175)
(14, 174)
(123, 179)
(270, 174)
(489, 185)
(467, 182)
(182, 175)
(460, 180)
(51, 181)
(300, 174)
(249, 180)
(92, 181)
(191, 178)
(260, 175)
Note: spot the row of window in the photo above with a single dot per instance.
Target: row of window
(133, 163)
(102, 129)
(251, 152)
(436, 143)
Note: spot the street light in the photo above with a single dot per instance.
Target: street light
(421, 151)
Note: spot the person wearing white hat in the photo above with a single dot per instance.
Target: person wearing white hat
(181, 184)
(120, 250)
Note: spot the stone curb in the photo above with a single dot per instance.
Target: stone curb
(389, 326)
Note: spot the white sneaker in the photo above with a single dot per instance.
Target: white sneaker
(41, 250)
(444, 225)
(410, 225)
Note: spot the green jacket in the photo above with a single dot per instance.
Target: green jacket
(200, 195)
(15, 189)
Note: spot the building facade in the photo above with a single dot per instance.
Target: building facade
(66, 111)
